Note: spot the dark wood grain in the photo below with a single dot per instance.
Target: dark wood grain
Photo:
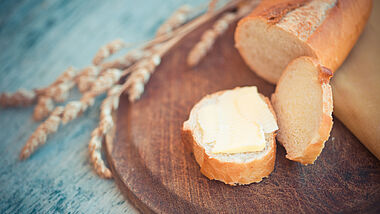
(158, 174)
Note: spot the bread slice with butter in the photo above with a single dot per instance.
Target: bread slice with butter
(232, 134)
(303, 105)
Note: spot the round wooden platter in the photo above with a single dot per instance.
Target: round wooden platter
(155, 170)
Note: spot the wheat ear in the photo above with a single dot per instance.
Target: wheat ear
(22, 97)
(106, 123)
(208, 38)
(107, 50)
(38, 138)
(125, 61)
(58, 91)
(140, 76)
(178, 18)
(86, 77)
(44, 107)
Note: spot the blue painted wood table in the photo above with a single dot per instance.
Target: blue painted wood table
(38, 40)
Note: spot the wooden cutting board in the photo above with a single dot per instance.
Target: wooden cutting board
(155, 171)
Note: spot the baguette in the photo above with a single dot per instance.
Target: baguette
(278, 31)
(232, 169)
(303, 104)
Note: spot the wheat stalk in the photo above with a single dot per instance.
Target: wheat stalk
(136, 67)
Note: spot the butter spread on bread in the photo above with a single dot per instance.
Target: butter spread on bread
(230, 143)
(236, 122)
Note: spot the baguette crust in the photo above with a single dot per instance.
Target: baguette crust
(229, 172)
(328, 37)
(273, 11)
(232, 173)
(314, 149)
(336, 36)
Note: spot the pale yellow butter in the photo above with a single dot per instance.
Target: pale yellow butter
(240, 136)
(236, 122)
(252, 107)
(208, 121)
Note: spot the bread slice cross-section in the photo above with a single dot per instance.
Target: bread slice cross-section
(232, 167)
(303, 105)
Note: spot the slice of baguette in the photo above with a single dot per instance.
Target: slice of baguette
(232, 169)
(278, 31)
(303, 105)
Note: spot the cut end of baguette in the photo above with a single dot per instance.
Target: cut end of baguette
(303, 105)
(230, 168)
(268, 49)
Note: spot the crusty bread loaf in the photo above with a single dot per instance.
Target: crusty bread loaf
(303, 105)
(278, 31)
(232, 169)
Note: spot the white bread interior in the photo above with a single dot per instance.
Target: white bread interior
(237, 168)
(268, 49)
(303, 105)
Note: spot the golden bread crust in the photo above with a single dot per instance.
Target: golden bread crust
(229, 172)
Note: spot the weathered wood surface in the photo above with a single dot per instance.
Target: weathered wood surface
(159, 174)
(38, 40)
